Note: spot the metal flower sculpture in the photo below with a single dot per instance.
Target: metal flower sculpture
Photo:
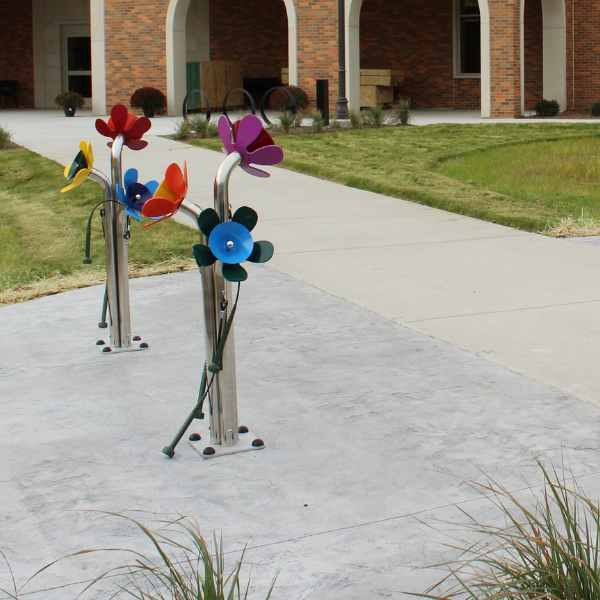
(135, 194)
(123, 122)
(81, 167)
(231, 242)
(170, 194)
(254, 143)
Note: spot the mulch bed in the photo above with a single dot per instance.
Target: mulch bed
(568, 114)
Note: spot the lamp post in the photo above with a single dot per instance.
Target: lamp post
(342, 102)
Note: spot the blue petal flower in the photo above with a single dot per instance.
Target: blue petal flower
(231, 242)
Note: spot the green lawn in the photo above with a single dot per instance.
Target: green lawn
(520, 175)
(43, 231)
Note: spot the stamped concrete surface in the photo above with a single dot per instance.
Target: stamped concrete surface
(369, 428)
(351, 365)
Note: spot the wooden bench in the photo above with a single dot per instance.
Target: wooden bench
(8, 87)
(377, 86)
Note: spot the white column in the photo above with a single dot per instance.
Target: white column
(176, 55)
(555, 51)
(98, 42)
(486, 58)
(353, 8)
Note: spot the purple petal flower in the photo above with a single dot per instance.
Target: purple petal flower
(248, 137)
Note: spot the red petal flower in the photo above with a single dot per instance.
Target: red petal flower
(122, 122)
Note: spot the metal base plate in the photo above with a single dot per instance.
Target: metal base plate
(136, 345)
(244, 444)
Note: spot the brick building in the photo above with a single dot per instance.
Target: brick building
(498, 55)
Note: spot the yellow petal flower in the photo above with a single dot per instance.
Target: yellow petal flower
(86, 147)
(164, 191)
(79, 178)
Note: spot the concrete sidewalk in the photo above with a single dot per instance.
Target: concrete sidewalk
(521, 300)
(372, 411)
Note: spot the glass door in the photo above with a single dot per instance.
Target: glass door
(77, 61)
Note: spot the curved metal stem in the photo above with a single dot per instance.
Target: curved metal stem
(117, 267)
(217, 308)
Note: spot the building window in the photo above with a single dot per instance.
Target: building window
(467, 38)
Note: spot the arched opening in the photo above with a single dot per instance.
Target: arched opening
(543, 52)
(199, 31)
(419, 39)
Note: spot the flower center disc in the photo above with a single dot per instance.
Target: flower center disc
(231, 242)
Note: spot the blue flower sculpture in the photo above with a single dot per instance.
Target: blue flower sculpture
(135, 194)
(231, 243)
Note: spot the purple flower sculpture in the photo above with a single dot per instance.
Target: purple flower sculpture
(135, 194)
(248, 137)
(231, 243)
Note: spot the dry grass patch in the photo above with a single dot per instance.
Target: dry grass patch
(56, 284)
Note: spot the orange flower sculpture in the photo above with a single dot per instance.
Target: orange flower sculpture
(168, 196)
(123, 122)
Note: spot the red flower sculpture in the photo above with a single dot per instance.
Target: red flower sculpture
(123, 122)
(169, 195)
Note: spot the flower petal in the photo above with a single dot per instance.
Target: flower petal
(131, 176)
(175, 180)
(208, 220)
(86, 148)
(159, 207)
(267, 155)
(246, 216)
(103, 129)
(138, 128)
(252, 171)
(234, 273)
(225, 134)
(263, 251)
(248, 130)
(133, 213)
(118, 116)
(77, 180)
(136, 144)
(152, 186)
(204, 257)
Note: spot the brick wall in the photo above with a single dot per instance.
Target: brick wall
(135, 48)
(318, 47)
(533, 53)
(417, 37)
(586, 33)
(253, 33)
(505, 47)
(16, 56)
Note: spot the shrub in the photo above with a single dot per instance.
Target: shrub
(182, 130)
(5, 137)
(199, 125)
(547, 108)
(286, 121)
(69, 99)
(318, 122)
(213, 130)
(356, 121)
(183, 567)
(402, 111)
(596, 109)
(374, 116)
(280, 99)
(548, 550)
(148, 97)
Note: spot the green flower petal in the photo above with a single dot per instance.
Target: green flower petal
(204, 257)
(246, 216)
(234, 273)
(262, 252)
(208, 220)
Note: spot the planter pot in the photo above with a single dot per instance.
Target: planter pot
(148, 111)
(69, 111)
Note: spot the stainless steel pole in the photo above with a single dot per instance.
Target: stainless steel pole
(117, 260)
(218, 302)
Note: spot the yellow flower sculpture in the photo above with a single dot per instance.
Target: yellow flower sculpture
(78, 171)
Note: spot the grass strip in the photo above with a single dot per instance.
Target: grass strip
(421, 164)
(43, 231)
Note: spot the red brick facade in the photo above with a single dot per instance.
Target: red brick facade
(412, 35)
(253, 33)
(16, 55)
(135, 47)
(419, 40)
(533, 53)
